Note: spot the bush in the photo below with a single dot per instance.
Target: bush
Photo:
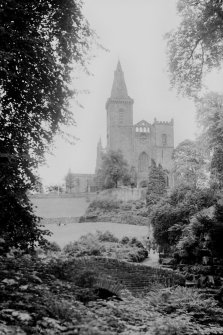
(107, 236)
(136, 242)
(138, 255)
(52, 246)
(106, 244)
(63, 310)
(125, 240)
(87, 245)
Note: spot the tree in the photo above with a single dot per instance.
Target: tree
(189, 163)
(156, 187)
(55, 188)
(210, 118)
(114, 169)
(196, 46)
(69, 180)
(172, 214)
(39, 42)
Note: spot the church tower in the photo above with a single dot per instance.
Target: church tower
(120, 117)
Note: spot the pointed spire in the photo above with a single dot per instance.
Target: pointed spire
(119, 89)
(119, 67)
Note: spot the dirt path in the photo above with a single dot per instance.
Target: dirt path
(152, 260)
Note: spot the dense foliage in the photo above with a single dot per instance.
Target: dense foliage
(210, 118)
(196, 46)
(35, 299)
(106, 209)
(202, 237)
(39, 42)
(156, 187)
(114, 169)
(173, 213)
(189, 163)
(106, 244)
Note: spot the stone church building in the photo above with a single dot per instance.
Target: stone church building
(140, 142)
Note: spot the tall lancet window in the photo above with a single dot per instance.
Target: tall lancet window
(164, 139)
(121, 115)
(143, 162)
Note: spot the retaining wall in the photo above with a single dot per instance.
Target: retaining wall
(122, 193)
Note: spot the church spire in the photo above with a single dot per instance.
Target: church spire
(119, 89)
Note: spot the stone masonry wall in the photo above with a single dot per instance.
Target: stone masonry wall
(121, 193)
(138, 279)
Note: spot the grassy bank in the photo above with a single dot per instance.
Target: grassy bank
(132, 212)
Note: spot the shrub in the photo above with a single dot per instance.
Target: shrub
(87, 245)
(52, 246)
(125, 240)
(137, 255)
(63, 310)
(106, 236)
(136, 242)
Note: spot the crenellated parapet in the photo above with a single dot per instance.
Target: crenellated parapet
(166, 123)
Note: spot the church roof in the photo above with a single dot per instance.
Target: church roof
(119, 89)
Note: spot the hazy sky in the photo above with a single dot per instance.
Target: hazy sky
(133, 31)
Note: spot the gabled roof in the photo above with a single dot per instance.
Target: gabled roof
(142, 123)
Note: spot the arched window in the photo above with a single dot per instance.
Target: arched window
(143, 162)
(121, 115)
(164, 139)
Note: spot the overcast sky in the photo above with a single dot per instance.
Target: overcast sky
(133, 31)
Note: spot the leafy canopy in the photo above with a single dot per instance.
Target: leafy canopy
(114, 169)
(196, 46)
(210, 118)
(40, 40)
(189, 163)
(172, 214)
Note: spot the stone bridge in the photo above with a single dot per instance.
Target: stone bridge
(115, 275)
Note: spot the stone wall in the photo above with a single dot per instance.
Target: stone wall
(119, 275)
(122, 193)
